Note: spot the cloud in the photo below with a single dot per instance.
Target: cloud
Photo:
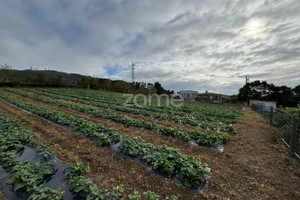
(200, 45)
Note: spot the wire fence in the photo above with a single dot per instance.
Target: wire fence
(285, 125)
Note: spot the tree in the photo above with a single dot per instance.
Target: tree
(283, 95)
(5, 71)
(159, 88)
(61, 80)
(149, 86)
(137, 85)
(244, 93)
(297, 90)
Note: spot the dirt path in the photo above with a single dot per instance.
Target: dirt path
(253, 166)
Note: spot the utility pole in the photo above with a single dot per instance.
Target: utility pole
(247, 79)
(132, 75)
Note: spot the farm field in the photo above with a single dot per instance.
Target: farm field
(159, 151)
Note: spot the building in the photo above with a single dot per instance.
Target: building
(213, 96)
(188, 95)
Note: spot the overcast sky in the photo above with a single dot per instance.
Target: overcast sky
(200, 45)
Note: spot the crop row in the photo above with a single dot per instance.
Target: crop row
(187, 168)
(14, 136)
(202, 138)
(210, 113)
(25, 175)
(184, 118)
(174, 118)
(187, 112)
(105, 136)
(88, 99)
(29, 176)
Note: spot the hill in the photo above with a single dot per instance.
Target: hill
(30, 77)
(21, 75)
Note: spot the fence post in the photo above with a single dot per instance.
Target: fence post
(294, 134)
(271, 115)
(261, 108)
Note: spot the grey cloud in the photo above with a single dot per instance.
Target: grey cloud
(178, 18)
(183, 44)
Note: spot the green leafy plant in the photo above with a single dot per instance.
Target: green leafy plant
(29, 177)
(47, 153)
(79, 169)
(46, 193)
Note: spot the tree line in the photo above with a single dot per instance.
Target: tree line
(283, 95)
(29, 77)
(48, 78)
(122, 86)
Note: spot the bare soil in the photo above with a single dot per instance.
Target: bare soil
(253, 166)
